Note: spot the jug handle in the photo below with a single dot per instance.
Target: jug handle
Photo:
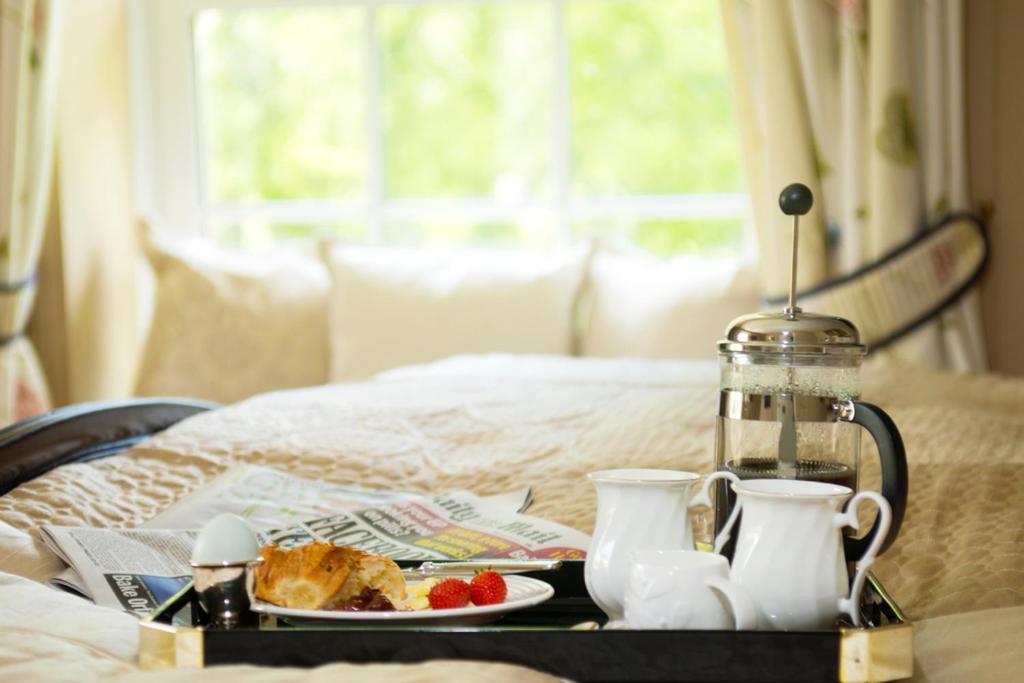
(893, 457)
(850, 605)
(741, 603)
(704, 498)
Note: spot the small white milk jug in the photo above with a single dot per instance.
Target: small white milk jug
(637, 509)
(789, 554)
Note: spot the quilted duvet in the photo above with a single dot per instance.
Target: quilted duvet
(494, 423)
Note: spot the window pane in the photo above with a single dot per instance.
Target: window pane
(466, 101)
(257, 234)
(529, 233)
(282, 97)
(651, 110)
(668, 238)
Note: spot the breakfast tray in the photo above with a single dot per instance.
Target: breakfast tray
(559, 636)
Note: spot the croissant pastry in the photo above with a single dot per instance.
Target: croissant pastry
(324, 576)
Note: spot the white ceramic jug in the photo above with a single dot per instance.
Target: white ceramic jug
(789, 553)
(637, 509)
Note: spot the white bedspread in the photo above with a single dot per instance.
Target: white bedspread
(495, 423)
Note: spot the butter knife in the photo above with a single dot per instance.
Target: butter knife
(469, 567)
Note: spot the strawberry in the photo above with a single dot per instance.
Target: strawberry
(449, 593)
(488, 588)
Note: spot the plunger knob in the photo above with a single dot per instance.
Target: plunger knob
(796, 199)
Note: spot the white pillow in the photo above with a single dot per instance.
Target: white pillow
(227, 325)
(679, 308)
(392, 307)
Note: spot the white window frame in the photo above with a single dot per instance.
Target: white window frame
(167, 109)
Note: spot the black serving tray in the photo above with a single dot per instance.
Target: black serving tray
(559, 636)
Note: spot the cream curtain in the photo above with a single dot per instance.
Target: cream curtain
(28, 80)
(863, 102)
(85, 324)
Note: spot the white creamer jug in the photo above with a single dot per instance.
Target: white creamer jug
(789, 553)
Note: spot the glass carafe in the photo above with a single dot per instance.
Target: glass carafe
(789, 409)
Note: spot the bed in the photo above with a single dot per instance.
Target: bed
(494, 423)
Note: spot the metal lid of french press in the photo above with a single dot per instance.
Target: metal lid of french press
(793, 331)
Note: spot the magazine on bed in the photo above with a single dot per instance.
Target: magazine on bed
(138, 569)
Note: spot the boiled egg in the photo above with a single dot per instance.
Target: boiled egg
(226, 539)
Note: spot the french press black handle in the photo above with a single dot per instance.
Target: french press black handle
(894, 473)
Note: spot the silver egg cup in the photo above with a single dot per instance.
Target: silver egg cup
(225, 590)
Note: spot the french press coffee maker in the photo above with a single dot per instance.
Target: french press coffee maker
(789, 408)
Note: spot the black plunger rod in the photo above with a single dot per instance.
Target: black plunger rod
(795, 200)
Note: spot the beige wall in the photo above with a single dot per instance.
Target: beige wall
(995, 111)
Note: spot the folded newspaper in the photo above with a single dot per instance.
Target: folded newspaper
(138, 569)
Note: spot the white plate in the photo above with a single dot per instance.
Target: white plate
(523, 592)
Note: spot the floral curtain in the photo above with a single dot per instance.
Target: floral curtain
(28, 81)
(863, 102)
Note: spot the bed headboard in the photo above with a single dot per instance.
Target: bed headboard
(82, 432)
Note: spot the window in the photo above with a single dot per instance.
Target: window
(479, 122)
